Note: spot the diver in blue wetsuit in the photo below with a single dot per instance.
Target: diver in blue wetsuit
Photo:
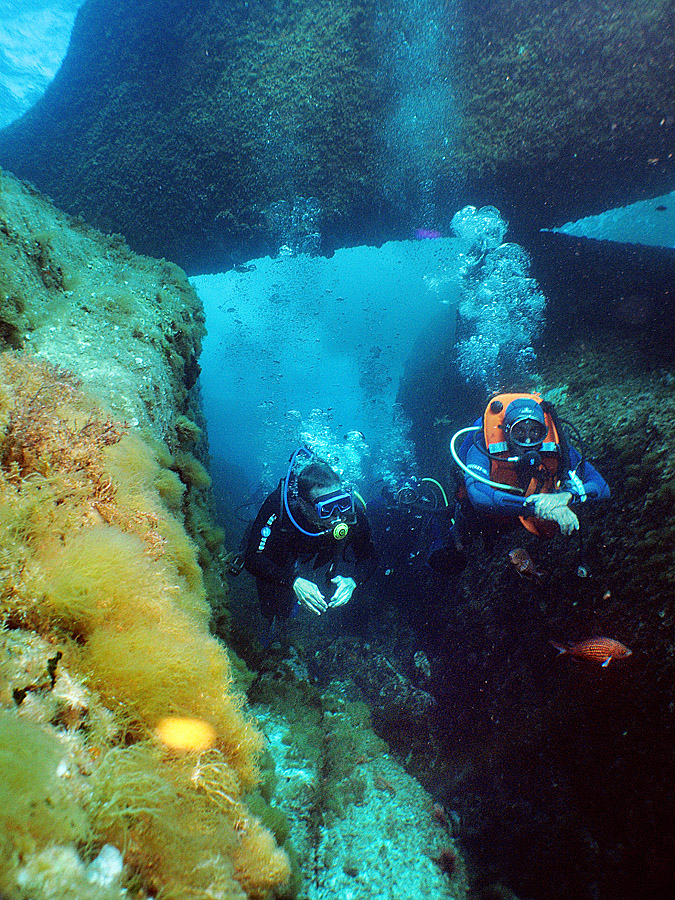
(518, 465)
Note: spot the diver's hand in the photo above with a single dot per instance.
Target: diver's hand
(343, 591)
(309, 595)
(554, 508)
(567, 521)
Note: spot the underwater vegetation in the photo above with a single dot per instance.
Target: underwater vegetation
(123, 733)
(378, 110)
(104, 635)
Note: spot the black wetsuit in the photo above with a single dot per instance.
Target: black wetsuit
(275, 549)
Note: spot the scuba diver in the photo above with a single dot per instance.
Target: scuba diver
(310, 521)
(412, 520)
(518, 465)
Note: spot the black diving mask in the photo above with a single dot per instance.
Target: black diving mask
(337, 503)
(527, 433)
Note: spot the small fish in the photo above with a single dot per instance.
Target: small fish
(596, 649)
(524, 566)
(427, 234)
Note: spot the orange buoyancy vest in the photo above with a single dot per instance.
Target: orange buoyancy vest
(544, 479)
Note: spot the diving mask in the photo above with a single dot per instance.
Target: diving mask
(339, 503)
(527, 432)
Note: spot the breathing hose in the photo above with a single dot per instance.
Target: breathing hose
(465, 468)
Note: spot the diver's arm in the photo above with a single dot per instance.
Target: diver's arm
(260, 566)
(594, 485)
(268, 555)
(492, 500)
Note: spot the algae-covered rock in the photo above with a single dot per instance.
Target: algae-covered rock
(361, 826)
(121, 722)
(186, 123)
(555, 92)
(203, 132)
(129, 327)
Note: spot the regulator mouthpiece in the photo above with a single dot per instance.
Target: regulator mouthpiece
(340, 531)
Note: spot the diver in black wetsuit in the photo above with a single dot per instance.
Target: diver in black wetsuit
(310, 522)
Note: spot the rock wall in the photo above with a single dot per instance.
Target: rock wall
(126, 752)
(183, 129)
(565, 112)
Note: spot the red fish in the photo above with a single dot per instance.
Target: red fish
(524, 565)
(597, 649)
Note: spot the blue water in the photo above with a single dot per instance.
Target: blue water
(34, 36)
(647, 222)
(305, 349)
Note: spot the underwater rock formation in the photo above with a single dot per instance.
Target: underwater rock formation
(122, 724)
(196, 118)
(362, 826)
(393, 699)
(206, 124)
(568, 108)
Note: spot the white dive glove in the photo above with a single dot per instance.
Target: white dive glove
(554, 508)
(343, 591)
(309, 595)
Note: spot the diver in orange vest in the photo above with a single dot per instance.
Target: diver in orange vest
(517, 464)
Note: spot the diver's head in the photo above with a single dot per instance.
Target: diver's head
(322, 498)
(524, 424)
